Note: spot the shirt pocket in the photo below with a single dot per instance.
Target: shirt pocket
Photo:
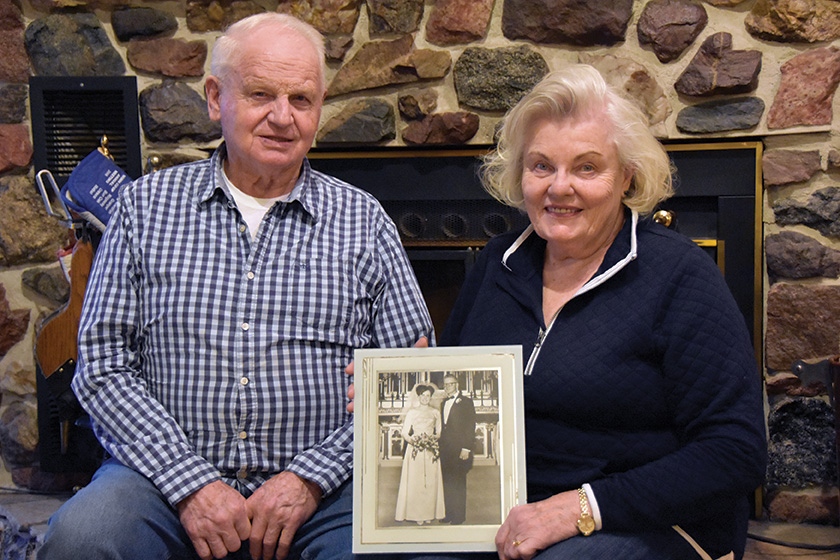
(324, 294)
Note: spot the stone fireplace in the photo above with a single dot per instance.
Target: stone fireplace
(420, 75)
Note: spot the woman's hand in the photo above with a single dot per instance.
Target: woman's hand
(349, 370)
(533, 527)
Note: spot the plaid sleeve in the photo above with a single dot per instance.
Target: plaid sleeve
(130, 423)
(400, 316)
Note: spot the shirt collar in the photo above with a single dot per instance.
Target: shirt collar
(526, 253)
(305, 191)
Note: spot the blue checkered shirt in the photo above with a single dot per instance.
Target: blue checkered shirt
(206, 355)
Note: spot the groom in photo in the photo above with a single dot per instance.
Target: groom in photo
(456, 444)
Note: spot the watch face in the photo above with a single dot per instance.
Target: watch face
(586, 525)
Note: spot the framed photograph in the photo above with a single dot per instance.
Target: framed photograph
(439, 448)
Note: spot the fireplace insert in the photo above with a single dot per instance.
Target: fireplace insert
(445, 217)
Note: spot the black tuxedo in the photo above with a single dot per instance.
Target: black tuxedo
(458, 433)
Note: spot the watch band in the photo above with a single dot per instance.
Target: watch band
(585, 523)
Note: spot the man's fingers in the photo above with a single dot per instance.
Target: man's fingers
(231, 542)
(422, 342)
(242, 526)
(256, 538)
(202, 549)
(283, 544)
(217, 547)
(269, 544)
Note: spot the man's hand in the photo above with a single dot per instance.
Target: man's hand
(423, 342)
(215, 519)
(277, 510)
(533, 527)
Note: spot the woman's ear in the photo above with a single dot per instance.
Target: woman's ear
(629, 182)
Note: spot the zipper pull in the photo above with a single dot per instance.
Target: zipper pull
(535, 352)
(540, 338)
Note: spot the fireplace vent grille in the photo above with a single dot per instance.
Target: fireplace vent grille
(71, 114)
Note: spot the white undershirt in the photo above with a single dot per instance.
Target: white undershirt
(253, 209)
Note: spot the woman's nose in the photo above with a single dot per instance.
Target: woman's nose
(561, 183)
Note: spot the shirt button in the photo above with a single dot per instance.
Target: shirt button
(244, 380)
(250, 276)
(245, 326)
(243, 435)
(242, 228)
(242, 473)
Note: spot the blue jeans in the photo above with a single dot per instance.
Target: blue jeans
(121, 514)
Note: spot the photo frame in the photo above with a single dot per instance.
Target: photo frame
(410, 442)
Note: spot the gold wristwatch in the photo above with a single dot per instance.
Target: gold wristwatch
(585, 524)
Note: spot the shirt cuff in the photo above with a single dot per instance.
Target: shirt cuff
(321, 469)
(185, 478)
(593, 506)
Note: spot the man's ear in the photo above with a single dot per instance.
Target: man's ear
(213, 93)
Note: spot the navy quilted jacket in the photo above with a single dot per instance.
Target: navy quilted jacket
(645, 386)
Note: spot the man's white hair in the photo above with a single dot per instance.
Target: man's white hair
(225, 50)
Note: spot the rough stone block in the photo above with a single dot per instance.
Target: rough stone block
(458, 21)
(721, 115)
(362, 121)
(718, 69)
(782, 167)
(170, 57)
(496, 79)
(803, 322)
(73, 44)
(442, 129)
(670, 26)
(576, 22)
(794, 255)
(809, 81)
(792, 21)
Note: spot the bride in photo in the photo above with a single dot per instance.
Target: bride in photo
(420, 497)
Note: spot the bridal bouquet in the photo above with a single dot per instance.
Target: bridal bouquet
(424, 442)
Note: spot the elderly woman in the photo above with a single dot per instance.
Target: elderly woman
(644, 422)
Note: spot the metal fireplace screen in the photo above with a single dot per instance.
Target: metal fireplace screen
(71, 114)
(434, 196)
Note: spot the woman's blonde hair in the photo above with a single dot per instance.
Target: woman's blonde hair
(565, 95)
(225, 49)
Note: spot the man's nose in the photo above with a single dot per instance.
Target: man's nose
(281, 111)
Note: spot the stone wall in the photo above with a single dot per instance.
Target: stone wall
(420, 72)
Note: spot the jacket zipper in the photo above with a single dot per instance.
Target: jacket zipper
(593, 283)
(529, 367)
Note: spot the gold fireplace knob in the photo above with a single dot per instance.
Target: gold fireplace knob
(664, 217)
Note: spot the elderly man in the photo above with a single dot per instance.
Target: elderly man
(226, 300)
